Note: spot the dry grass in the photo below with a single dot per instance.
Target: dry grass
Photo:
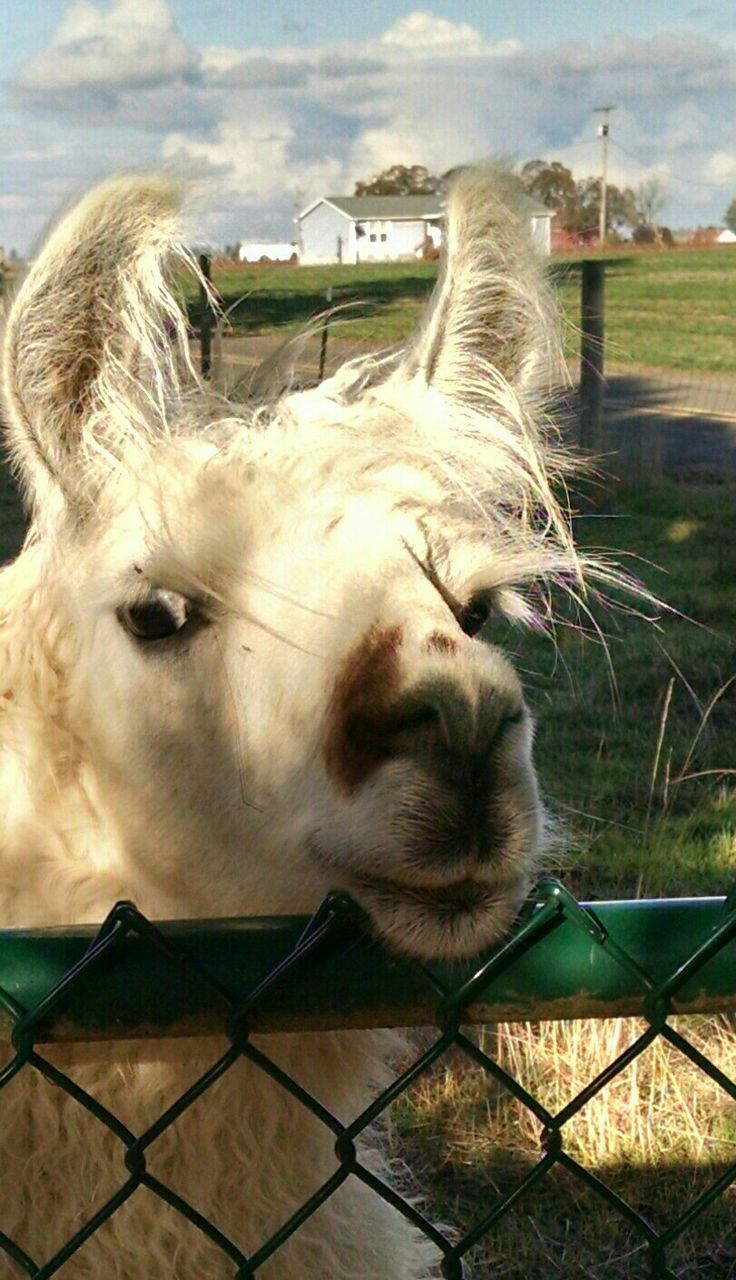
(657, 1135)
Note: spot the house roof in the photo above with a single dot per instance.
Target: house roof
(358, 208)
(407, 208)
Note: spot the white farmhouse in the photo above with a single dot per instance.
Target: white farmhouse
(354, 229)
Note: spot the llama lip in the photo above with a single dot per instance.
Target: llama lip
(464, 895)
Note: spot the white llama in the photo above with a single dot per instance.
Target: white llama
(240, 667)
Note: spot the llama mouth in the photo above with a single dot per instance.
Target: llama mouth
(453, 921)
(456, 897)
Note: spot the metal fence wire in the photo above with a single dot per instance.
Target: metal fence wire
(133, 978)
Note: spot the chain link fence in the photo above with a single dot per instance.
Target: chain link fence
(132, 978)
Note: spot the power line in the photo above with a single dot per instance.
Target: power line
(688, 182)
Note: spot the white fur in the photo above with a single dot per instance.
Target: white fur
(209, 774)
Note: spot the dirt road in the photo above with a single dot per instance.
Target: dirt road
(655, 423)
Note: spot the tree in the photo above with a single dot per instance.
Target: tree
(729, 216)
(650, 198)
(620, 207)
(577, 204)
(552, 184)
(400, 180)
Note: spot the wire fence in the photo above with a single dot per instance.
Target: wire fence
(133, 978)
(649, 416)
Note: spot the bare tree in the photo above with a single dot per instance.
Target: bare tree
(650, 197)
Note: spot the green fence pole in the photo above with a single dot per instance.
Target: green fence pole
(568, 972)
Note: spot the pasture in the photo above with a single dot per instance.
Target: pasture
(668, 309)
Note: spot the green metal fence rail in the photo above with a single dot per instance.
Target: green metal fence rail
(134, 979)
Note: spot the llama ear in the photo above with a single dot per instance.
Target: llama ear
(491, 312)
(94, 340)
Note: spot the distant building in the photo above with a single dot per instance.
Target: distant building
(251, 251)
(354, 229)
(565, 241)
(704, 236)
(726, 237)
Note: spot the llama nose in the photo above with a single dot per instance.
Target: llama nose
(439, 712)
(454, 711)
(435, 720)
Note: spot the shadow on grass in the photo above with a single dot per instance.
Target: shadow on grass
(562, 1228)
(270, 308)
(652, 432)
(569, 271)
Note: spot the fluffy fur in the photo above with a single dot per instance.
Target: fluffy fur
(316, 712)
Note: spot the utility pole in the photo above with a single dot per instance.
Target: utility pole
(297, 206)
(603, 129)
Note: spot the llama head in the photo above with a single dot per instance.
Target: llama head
(274, 675)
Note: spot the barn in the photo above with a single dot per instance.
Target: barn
(354, 229)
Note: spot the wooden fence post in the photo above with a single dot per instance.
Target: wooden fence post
(591, 356)
(205, 318)
(325, 327)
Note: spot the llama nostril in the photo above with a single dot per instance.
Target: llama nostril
(412, 719)
(395, 728)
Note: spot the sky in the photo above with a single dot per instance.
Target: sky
(267, 106)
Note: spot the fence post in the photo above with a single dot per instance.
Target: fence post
(205, 318)
(591, 355)
(325, 327)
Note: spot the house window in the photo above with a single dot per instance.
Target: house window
(374, 237)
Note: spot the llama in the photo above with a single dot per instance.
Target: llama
(242, 665)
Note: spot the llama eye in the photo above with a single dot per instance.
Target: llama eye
(156, 616)
(474, 615)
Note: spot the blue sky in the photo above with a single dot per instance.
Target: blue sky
(266, 106)
(276, 25)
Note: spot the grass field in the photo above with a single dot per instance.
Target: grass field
(664, 309)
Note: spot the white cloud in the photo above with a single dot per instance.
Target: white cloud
(424, 30)
(15, 202)
(421, 33)
(721, 168)
(134, 42)
(258, 125)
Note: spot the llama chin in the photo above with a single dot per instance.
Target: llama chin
(245, 662)
(451, 922)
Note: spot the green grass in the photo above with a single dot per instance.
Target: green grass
(602, 709)
(380, 304)
(664, 309)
